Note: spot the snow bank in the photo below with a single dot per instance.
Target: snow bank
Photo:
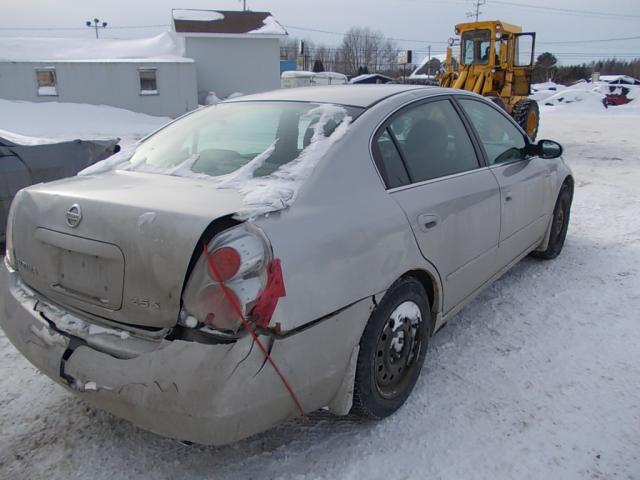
(212, 99)
(542, 91)
(270, 27)
(586, 97)
(26, 140)
(166, 46)
(197, 15)
(69, 121)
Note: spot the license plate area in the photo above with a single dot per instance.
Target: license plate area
(82, 269)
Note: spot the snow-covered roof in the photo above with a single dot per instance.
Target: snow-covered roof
(224, 22)
(166, 47)
(421, 71)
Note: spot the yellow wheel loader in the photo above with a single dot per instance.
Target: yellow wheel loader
(496, 61)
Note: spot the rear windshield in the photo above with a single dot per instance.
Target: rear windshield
(220, 139)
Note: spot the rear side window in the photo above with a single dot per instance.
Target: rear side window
(424, 142)
(502, 141)
(390, 161)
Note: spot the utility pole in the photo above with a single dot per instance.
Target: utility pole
(429, 62)
(476, 5)
(96, 24)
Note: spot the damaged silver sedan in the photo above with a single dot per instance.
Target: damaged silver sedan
(276, 254)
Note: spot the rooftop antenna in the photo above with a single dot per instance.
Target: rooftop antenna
(476, 6)
(96, 24)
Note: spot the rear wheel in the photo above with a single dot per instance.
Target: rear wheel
(392, 350)
(527, 114)
(559, 226)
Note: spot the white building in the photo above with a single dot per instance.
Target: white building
(234, 51)
(166, 75)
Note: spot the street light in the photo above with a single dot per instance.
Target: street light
(96, 24)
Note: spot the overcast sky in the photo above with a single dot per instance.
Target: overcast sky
(416, 23)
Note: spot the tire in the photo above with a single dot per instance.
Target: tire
(389, 365)
(559, 227)
(527, 114)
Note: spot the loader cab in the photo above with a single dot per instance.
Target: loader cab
(495, 44)
(476, 47)
(496, 61)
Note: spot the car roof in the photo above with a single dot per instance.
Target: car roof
(351, 95)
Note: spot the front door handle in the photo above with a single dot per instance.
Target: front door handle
(427, 221)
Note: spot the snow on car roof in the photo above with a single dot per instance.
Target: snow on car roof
(164, 47)
(354, 95)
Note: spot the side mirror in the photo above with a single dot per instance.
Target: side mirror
(549, 149)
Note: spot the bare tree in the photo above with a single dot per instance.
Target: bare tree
(363, 48)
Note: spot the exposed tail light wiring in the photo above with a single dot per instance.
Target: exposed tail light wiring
(275, 286)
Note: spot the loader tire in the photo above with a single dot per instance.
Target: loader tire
(527, 114)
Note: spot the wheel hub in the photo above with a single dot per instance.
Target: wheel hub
(397, 348)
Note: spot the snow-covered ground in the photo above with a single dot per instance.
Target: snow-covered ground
(537, 378)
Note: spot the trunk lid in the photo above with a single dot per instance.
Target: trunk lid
(117, 245)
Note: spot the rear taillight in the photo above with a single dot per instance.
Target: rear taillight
(241, 259)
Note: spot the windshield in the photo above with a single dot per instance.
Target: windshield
(220, 139)
(476, 47)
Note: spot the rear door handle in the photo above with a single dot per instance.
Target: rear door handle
(427, 221)
(508, 196)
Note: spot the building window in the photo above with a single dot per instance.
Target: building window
(47, 85)
(148, 82)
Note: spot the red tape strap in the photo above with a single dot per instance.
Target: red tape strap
(267, 306)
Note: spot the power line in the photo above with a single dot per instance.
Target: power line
(564, 10)
(558, 42)
(332, 32)
(342, 34)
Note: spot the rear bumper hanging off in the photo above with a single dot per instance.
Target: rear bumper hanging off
(209, 394)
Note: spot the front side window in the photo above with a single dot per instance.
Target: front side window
(221, 139)
(47, 82)
(502, 141)
(476, 47)
(148, 81)
(430, 140)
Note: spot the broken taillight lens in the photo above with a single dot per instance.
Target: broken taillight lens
(242, 260)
